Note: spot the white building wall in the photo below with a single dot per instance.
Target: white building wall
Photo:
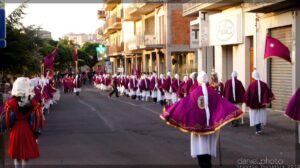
(240, 52)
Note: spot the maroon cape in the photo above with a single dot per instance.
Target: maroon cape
(133, 84)
(239, 91)
(189, 115)
(160, 85)
(175, 85)
(180, 91)
(167, 84)
(251, 95)
(152, 83)
(189, 86)
(218, 88)
(145, 85)
(293, 108)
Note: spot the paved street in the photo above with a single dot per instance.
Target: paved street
(93, 129)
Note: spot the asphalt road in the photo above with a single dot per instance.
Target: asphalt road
(94, 130)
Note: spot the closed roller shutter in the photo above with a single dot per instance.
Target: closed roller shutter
(281, 71)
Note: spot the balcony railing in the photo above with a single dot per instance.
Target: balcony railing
(190, 7)
(112, 24)
(141, 7)
(115, 49)
(132, 43)
(150, 40)
(110, 4)
(127, 13)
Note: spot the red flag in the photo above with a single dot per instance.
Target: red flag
(49, 59)
(274, 48)
(75, 54)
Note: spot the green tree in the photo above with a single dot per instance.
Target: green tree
(88, 54)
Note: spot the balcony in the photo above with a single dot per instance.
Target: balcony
(192, 7)
(150, 42)
(270, 6)
(133, 43)
(110, 4)
(101, 14)
(112, 24)
(115, 50)
(128, 16)
(144, 8)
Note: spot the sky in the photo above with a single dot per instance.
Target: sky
(59, 18)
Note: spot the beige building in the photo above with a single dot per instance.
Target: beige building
(45, 34)
(232, 37)
(148, 36)
(81, 38)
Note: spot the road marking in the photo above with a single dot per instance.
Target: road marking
(106, 122)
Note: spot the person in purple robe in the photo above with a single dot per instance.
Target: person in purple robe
(167, 88)
(257, 96)
(145, 87)
(126, 85)
(102, 79)
(133, 85)
(121, 81)
(153, 87)
(215, 83)
(190, 84)
(234, 92)
(202, 114)
(175, 87)
(118, 83)
(77, 84)
(160, 92)
(138, 91)
(293, 110)
(65, 84)
(180, 91)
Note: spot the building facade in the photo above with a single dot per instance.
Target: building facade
(45, 34)
(150, 36)
(81, 38)
(232, 37)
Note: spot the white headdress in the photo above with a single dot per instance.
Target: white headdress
(233, 75)
(21, 88)
(203, 79)
(256, 76)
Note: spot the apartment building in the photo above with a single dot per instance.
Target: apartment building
(232, 37)
(80, 38)
(150, 37)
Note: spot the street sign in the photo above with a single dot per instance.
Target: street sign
(2, 43)
(101, 49)
(2, 29)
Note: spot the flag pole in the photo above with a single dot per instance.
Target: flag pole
(42, 69)
(76, 66)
